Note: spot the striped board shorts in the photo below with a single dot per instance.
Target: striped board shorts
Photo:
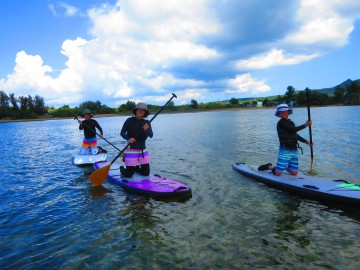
(287, 158)
(92, 142)
(135, 156)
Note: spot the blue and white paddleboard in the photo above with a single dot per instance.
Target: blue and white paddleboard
(334, 191)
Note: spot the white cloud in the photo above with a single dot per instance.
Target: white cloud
(63, 9)
(323, 22)
(31, 74)
(29, 71)
(272, 58)
(322, 26)
(245, 83)
(171, 20)
(162, 52)
(164, 32)
(323, 30)
(69, 10)
(185, 96)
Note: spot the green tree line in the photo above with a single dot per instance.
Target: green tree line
(21, 107)
(32, 107)
(349, 95)
(298, 98)
(95, 108)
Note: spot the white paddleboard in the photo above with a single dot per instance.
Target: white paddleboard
(334, 191)
(90, 159)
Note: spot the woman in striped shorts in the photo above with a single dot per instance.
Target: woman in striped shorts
(136, 130)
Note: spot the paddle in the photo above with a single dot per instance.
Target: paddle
(307, 91)
(99, 176)
(75, 118)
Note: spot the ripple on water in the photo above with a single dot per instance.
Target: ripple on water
(52, 217)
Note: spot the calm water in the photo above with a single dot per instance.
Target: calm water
(51, 217)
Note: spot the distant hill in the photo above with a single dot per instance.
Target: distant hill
(332, 89)
(328, 91)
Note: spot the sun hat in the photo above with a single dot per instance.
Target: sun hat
(141, 106)
(86, 111)
(282, 108)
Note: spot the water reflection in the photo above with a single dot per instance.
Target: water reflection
(291, 224)
(99, 191)
(139, 210)
(230, 222)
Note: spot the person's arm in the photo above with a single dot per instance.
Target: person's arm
(301, 139)
(287, 125)
(124, 129)
(148, 131)
(97, 125)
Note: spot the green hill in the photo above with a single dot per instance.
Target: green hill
(328, 91)
(332, 89)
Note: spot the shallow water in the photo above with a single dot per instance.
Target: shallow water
(51, 217)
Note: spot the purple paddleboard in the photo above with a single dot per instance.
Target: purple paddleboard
(152, 185)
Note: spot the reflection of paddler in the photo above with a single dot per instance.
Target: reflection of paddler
(139, 210)
(136, 130)
(89, 126)
(290, 222)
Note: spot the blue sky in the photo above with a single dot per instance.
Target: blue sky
(73, 51)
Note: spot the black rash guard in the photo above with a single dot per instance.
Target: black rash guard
(133, 128)
(89, 128)
(287, 132)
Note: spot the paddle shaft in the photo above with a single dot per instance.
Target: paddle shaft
(307, 91)
(98, 134)
(161, 109)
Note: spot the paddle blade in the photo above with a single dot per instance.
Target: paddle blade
(99, 176)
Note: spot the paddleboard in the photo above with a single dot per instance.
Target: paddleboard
(90, 159)
(333, 191)
(153, 185)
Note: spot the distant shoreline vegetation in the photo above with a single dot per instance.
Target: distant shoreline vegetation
(17, 108)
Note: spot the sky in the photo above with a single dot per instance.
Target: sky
(73, 51)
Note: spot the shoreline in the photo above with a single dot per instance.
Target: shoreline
(128, 114)
(164, 112)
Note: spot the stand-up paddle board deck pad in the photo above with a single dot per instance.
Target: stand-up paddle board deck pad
(153, 185)
(334, 191)
(89, 159)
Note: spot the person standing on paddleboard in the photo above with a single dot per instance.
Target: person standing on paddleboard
(90, 141)
(136, 130)
(288, 157)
